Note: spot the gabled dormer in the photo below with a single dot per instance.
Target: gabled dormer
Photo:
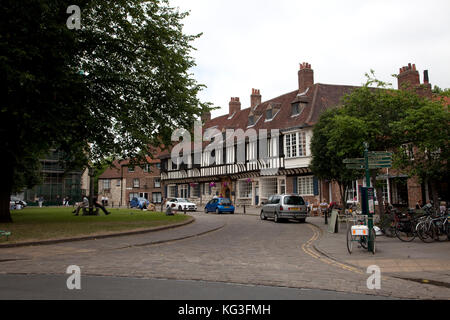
(272, 111)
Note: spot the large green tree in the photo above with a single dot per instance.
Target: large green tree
(424, 133)
(109, 89)
(337, 136)
(379, 106)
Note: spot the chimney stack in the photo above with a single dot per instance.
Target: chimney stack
(255, 98)
(408, 76)
(235, 106)
(305, 77)
(206, 116)
(426, 80)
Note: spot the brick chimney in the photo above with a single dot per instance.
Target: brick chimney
(305, 77)
(235, 106)
(408, 77)
(255, 98)
(206, 116)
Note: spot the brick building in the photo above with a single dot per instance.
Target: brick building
(122, 182)
(285, 166)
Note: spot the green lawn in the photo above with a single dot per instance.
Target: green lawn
(31, 224)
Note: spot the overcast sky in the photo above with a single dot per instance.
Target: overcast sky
(259, 43)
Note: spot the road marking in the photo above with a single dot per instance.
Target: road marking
(306, 247)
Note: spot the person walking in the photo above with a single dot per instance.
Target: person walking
(98, 205)
(41, 201)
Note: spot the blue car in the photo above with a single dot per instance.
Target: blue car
(219, 205)
(140, 203)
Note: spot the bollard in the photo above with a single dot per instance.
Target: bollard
(244, 209)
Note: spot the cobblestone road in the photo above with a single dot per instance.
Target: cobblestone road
(238, 249)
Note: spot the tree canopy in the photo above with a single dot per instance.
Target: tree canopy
(109, 89)
(337, 136)
(383, 117)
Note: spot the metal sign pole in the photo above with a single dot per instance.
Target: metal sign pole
(369, 213)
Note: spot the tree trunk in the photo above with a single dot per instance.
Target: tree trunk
(434, 194)
(342, 189)
(5, 196)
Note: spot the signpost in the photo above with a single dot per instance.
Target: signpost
(371, 160)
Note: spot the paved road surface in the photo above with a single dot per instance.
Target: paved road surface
(43, 287)
(242, 250)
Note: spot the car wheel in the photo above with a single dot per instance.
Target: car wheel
(275, 218)
(217, 211)
(302, 220)
(180, 208)
(206, 210)
(262, 215)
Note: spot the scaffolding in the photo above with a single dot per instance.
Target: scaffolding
(56, 183)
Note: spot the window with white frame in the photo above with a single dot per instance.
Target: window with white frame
(106, 184)
(205, 159)
(118, 183)
(245, 189)
(171, 191)
(156, 197)
(132, 195)
(136, 183)
(183, 191)
(268, 187)
(295, 145)
(219, 156)
(195, 191)
(251, 151)
(282, 186)
(352, 194)
(230, 155)
(146, 167)
(306, 186)
(157, 183)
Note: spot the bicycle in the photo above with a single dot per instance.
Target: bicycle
(360, 234)
(388, 222)
(406, 228)
(435, 227)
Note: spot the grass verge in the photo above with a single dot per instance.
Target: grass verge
(37, 224)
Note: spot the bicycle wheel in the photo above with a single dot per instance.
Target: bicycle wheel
(440, 231)
(363, 241)
(405, 231)
(425, 231)
(350, 240)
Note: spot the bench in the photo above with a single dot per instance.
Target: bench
(5, 234)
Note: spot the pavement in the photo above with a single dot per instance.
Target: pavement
(241, 249)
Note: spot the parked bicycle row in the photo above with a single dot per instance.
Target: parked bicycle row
(427, 224)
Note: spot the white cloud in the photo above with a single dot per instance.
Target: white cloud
(259, 44)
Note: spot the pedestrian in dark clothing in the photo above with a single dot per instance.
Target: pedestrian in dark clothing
(98, 205)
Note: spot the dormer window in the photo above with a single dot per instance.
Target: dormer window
(297, 108)
(269, 114)
(251, 120)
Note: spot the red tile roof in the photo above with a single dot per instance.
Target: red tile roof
(319, 98)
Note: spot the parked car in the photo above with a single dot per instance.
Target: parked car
(286, 206)
(140, 203)
(219, 205)
(181, 204)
